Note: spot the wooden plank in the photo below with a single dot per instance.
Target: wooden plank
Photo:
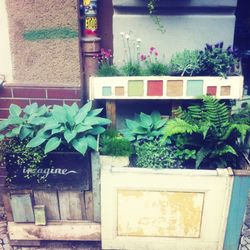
(7, 206)
(238, 205)
(96, 166)
(111, 112)
(89, 205)
(22, 209)
(66, 231)
(70, 204)
(25, 243)
(50, 200)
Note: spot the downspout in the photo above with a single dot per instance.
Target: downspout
(89, 43)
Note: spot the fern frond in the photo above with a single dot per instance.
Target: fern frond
(201, 155)
(242, 129)
(179, 126)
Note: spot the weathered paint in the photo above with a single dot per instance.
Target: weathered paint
(159, 214)
(51, 33)
(5, 62)
(194, 87)
(238, 205)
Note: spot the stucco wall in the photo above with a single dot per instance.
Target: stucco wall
(44, 41)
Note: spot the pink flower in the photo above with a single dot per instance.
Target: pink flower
(143, 57)
(156, 53)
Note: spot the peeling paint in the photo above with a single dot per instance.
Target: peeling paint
(159, 214)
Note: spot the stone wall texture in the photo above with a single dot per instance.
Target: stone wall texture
(44, 41)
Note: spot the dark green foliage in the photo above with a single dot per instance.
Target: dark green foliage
(154, 154)
(144, 127)
(208, 131)
(242, 115)
(185, 63)
(216, 61)
(156, 69)
(108, 70)
(113, 144)
(131, 69)
(18, 157)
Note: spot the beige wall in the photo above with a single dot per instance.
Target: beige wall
(5, 60)
(44, 41)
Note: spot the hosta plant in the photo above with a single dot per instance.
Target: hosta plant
(145, 127)
(53, 127)
(207, 134)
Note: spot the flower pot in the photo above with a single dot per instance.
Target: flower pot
(114, 161)
(165, 87)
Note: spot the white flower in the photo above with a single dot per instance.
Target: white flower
(138, 40)
(137, 46)
(122, 33)
(127, 36)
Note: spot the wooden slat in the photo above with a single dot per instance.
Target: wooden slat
(95, 163)
(70, 204)
(66, 231)
(89, 205)
(111, 112)
(25, 243)
(22, 209)
(50, 200)
(7, 206)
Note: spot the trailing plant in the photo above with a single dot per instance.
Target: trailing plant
(114, 144)
(144, 127)
(216, 61)
(185, 63)
(153, 66)
(71, 127)
(152, 4)
(20, 160)
(154, 154)
(207, 131)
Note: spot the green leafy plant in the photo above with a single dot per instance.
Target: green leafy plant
(153, 66)
(185, 63)
(144, 127)
(216, 61)
(114, 144)
(71, 127)
(154, 154)
(207, 131)
(21, 161)
(105, 66)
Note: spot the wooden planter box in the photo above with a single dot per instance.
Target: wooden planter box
(164, 209)
(165, 87)
(59, 168)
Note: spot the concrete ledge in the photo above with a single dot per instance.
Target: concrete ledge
(66, 231)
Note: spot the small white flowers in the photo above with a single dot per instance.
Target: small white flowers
(138, 40)
(122, 33)
(127, 36)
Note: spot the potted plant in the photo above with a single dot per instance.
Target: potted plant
(114, 149)
(189, 75)
(30, 137)
(157, 207)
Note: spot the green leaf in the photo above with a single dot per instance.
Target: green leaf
(30, 109)
(73, 109)
(92, 143)
(59, 113)
(15, 110)
(36, 141)
(97, 130)
(201, 155)
(1, 137)
(156, 116)
(96, 121)
(82, 128)
(52, 144)
(14, 120)
(69, 135)
(82, 114)
(146, 120)
(37, 120)
(159, 124)
(80, 145)
(132, 124)
(25, 132)
(95, 112)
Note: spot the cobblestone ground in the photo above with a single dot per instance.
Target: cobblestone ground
(4, 241)
(245, 233)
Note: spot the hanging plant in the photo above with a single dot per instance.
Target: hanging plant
(152, 4)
